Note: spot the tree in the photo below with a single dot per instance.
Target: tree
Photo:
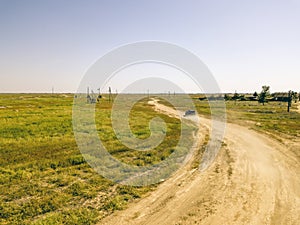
(295, 96)
(255, 95)
(262, 98)
(226, 97)
(292, 96)
(236, 96)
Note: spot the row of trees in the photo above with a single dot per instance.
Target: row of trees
(265, 95)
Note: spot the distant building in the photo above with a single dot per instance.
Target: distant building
(280, 97)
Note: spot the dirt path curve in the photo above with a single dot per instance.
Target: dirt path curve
(254, 180)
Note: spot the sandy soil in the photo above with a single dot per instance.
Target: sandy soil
(254, 180)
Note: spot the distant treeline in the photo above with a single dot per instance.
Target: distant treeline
(276, 96)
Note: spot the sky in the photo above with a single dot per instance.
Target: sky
(245, 44)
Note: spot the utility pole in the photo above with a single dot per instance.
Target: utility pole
(88, 97)
(289, 101)
(109, 95)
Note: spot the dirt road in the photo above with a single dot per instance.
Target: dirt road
(254, 180)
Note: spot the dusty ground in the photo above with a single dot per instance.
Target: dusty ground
(254, 180)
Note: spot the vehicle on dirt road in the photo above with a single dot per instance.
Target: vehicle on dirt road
(189, 113)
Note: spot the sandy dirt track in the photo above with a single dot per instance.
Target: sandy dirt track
(254, 180)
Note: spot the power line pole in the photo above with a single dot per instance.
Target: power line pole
(88, 97)
(109, 95)
(289, 101)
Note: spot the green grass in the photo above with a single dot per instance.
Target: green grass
(271, 117)
(140, 116)
(43, 177)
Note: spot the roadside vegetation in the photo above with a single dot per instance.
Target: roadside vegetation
(260, 114)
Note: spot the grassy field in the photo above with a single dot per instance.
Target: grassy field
(272, 118)
(45, 180)
(43, 177)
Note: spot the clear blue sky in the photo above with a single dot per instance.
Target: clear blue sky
(246, 44)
